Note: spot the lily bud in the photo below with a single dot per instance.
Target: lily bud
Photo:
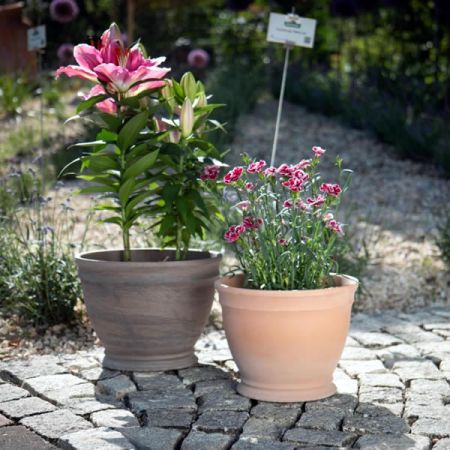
(168, 94)
(114, 33)
(187, 118)
(200, 86)
(201, 100)
(189, 86)
(174, 136)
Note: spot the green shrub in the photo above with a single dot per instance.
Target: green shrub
(443, 238)
(38, 277)
(14, 90)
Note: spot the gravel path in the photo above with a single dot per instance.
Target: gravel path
(392, 380)
(392, 205)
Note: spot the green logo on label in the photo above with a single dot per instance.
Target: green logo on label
(292, 24)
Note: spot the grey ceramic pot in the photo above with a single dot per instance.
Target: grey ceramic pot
(148, 313)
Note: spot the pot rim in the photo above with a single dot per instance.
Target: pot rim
(351, 284)
(84, 257)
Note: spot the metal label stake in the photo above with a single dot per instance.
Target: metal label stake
(290, 30)
(280, 104)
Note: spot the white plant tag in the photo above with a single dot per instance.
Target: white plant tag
(37, 38)
(291, 29)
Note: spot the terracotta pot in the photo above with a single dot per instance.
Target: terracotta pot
(286, 343)
(149, 312)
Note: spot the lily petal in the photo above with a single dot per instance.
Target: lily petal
(77, 71)
(87, 56)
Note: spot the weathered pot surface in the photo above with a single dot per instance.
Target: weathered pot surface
(148, 313)
(286, 344)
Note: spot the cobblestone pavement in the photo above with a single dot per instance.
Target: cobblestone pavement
(393, 394)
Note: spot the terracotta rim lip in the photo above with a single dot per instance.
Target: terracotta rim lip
(295, 294)
(84, 257)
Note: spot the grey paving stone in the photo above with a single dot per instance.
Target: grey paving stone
(147, 438)
(324, 418)
(380, 409)
(218, 402)
(203, 373)
(355, 368)
(18, 371)
(4, 421)
(71, 396)
(116, 387)
(412, 370)
(374, 394)
(217, 421)
(433, 409)
(157, 382)
(442, 444)
(97, 373)
(169, 418)
(114, 418)
(434, 428)
(436, 353)
(381, 380)
(10, 392)
(198, 440)
(437, 326)
(258, 444)
(344, 383)
(350, 342)
(284, 416)
(375, 340)
(98, 439)
(391, 355)
(256, 427)
(313, 437)
(440, 387)
(147, 400)
(362, 322)
(224, 387)
(80, 362)
(40, 385)
(412, 334)
(20, 438)
(358, 354)
(16, 409)
(375, 424)
(84, 406)
(389, 442)
(54, 424)
(345, 402)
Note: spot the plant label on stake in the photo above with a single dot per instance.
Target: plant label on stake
(290, 30)
(37, 38)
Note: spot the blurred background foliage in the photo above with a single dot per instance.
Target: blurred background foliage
(381, 65)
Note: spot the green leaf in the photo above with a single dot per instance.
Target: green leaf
(106, 135)
(141, 165)
(114, 220)
(130, 131)
(100, 163)
(89, 103)
(96, 190)
(112, 122)
(105, 179)
(135, 201)
(126, 190)
(170, 193)
(182, 206)
(167, 223)
(88, 144)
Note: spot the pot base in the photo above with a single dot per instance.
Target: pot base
(150, 364)
(272, 394)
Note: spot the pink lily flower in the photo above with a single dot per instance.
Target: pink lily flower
(119, 69)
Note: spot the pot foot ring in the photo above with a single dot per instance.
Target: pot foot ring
(274, 394)
(150, 364)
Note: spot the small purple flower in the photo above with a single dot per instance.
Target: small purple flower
(64, 11)
(65, 53)
(198, 58)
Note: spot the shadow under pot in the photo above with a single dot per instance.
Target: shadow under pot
(148, 313)
(286, 344)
